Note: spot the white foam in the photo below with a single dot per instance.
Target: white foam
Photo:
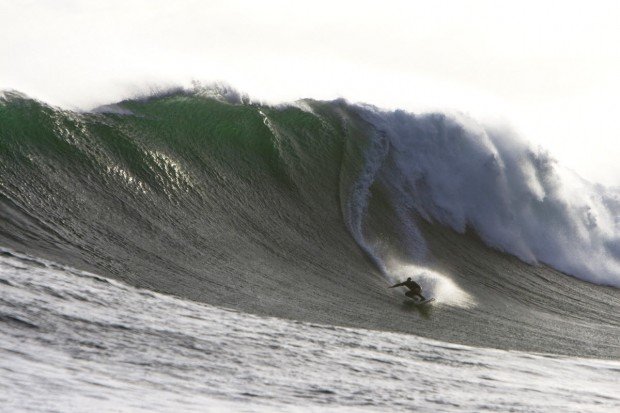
(434, 284)
(518, 199)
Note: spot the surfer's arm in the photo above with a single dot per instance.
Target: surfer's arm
(397, 285)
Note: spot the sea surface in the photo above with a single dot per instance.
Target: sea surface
(197, 250)
(72, 341)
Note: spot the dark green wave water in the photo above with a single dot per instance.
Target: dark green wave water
(281, 211)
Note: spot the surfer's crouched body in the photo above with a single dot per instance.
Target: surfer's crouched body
(414, 288)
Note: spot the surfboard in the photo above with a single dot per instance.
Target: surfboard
(428, 300)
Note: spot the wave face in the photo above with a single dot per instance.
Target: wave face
(303, 211)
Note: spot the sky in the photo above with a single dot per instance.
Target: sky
(548, 69)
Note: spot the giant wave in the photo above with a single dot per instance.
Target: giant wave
(304, 210)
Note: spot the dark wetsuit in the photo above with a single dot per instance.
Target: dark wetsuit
(414, 288)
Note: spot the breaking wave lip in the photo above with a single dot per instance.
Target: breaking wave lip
(465, 175)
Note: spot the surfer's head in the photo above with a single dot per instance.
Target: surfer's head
(408, 278)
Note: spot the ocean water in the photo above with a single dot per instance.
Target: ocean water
(308, 211)
(72, 341)
(195, 250)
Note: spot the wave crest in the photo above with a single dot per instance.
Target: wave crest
(466, 175)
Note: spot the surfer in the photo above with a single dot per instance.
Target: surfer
(414, 289)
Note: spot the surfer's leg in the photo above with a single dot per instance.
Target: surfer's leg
(417, 292)
(414, 295)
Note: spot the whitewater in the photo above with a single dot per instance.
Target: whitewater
(198, 250)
